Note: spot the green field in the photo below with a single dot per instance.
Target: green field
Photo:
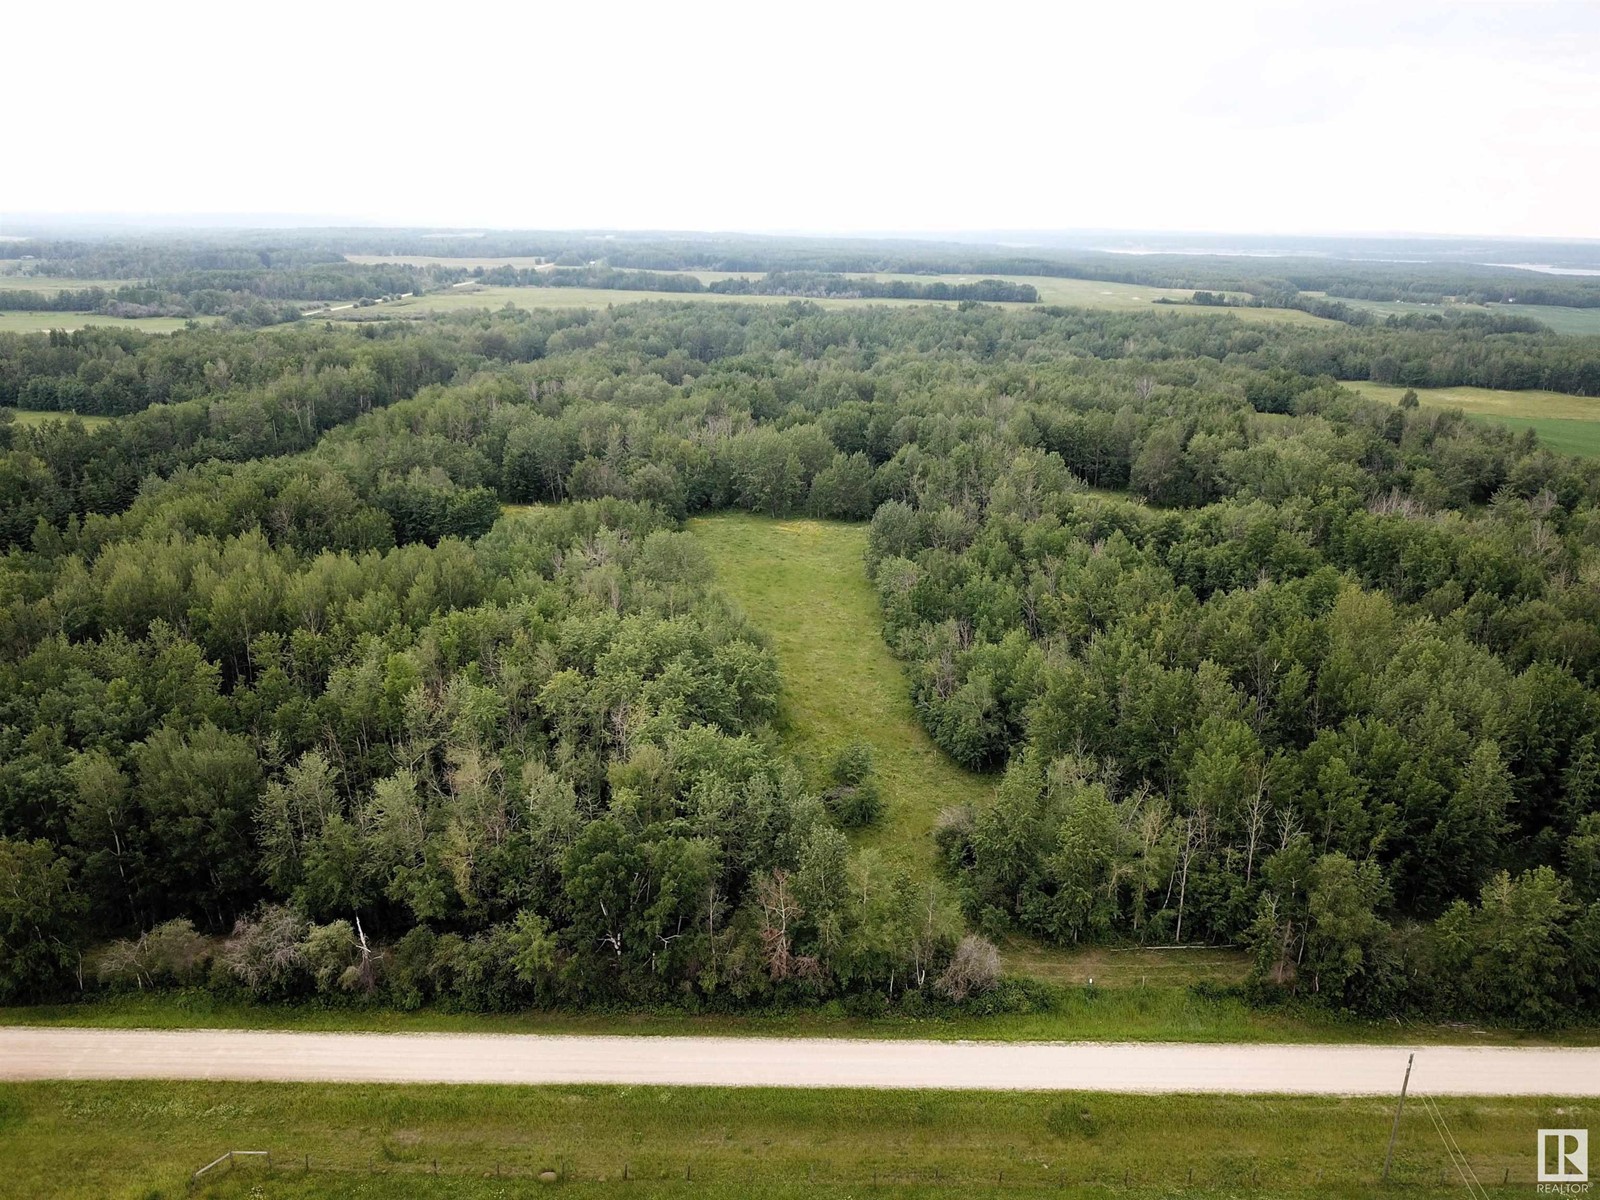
(36, 322)
(1564, 422)
(477, 296)
(1082, 293)
(1560, 319)
(49, 285)
(143, 1139)
(28, 416)
(805, 583)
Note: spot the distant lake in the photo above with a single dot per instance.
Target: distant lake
(1547, 269)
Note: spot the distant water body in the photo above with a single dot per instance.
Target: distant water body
(1547, 269)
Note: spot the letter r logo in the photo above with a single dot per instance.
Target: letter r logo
(1563, 1156)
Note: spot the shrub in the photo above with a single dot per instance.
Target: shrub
(974, 969)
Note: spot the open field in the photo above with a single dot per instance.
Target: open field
(1124, 297)
(1564, 422)
(521, 264)
(37, 322)
(49, 285)
(1569, 437)
(28, 416)
(805, 583)
(1560, 319)
(142, 1139)
(1083, 293)
(456, 299)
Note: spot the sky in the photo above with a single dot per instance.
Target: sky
(1456, 117)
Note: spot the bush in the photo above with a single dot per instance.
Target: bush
(171, 954)
(853, 798)
(974, 969)
(267, 953)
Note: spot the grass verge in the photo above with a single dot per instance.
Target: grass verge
(128, 1139)
(1157, 1012)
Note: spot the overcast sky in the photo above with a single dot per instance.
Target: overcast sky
(1455, 117)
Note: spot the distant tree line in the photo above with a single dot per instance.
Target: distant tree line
(318, 257)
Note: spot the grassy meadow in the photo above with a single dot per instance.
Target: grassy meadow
(142, 1139)
(29, 416)
(1564, 422)
(1081, 293)
(49, 285)
(38, 322)
(805, 583)
(1559, 318)
(481, 296)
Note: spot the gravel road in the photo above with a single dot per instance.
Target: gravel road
(72, 1053)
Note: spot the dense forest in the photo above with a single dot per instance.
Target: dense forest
(290, 705)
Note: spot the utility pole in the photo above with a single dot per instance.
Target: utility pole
(1394, 1131)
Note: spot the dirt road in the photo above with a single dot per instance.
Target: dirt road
(65, 1053)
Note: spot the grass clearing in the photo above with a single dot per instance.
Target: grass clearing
(39, 322)
(1079, 293)
(1568, 437)
(1561, 319)
(532, 298)
(31, 417)
(805, 583)
(137, 1139)
(1564, 422)
(49, 285)
(1127, 967)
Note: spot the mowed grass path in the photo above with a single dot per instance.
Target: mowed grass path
(1563, 422)
(805, 583)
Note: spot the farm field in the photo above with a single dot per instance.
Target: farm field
(456, 299)
(126, 1139)
(1564, 422)
(1082, 293)
(805, 583)
(522, 264)
(36, 322)
(1127, 297)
